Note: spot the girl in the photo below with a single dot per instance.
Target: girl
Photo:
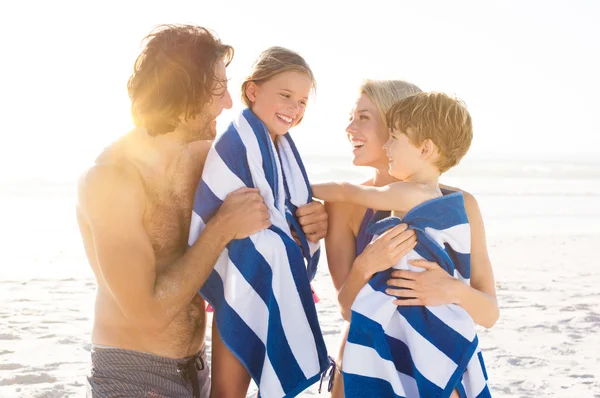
(265, 323)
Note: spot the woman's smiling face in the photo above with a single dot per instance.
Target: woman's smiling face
(367, 133)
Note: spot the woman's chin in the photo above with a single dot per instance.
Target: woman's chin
(364, 161)
(358, 161)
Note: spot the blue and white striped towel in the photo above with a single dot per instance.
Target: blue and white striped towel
(260, 286)
(417, 351)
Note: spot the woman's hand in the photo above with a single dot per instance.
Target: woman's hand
(385, 251)
(434, 286)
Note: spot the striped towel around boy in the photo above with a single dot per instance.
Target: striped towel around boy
(260, 287)
(417, 351)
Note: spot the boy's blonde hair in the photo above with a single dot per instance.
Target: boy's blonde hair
(271, 62)
(384, 93)
(438, 117)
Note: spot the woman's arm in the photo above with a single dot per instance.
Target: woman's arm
(480, 299)
(437, 287)
(398, 196)
(350, 273)
(340, 242)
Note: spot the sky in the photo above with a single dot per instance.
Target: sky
(527, 70)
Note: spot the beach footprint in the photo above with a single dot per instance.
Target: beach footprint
(9, 336)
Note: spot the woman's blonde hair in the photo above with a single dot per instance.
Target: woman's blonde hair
(271, 62)
(384, 93)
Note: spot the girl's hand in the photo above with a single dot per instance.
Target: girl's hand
(432, 287)
(313, 219)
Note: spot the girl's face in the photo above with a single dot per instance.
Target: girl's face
(367, 133)
(280, 102)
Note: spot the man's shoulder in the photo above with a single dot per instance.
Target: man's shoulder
(107, 175)
(106, 186)
(112, 167)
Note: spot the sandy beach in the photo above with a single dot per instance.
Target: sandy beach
(547, 276)
(76, 76)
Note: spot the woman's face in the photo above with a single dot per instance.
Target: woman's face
(367, 134)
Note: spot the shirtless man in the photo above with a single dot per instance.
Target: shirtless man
(134, 209)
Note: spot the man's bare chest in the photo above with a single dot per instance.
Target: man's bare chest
(167, 221)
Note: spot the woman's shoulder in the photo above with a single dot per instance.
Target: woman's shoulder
(347, 214)
(471, 205)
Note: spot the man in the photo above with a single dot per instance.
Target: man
(134, 211)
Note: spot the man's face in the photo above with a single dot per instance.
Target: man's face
(204, 125)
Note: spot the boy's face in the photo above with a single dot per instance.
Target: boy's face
(404, 158)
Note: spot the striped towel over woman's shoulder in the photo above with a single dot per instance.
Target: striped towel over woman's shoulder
(417, 351)
(260, 287)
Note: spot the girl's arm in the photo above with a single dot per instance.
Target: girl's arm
(398, 196)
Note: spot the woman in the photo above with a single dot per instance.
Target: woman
(351, 256)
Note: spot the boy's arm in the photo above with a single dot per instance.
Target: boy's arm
(398, 196)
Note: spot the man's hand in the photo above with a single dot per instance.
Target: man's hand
(313, 219)
(243, 213)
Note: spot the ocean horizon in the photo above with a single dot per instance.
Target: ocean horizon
(516, 198)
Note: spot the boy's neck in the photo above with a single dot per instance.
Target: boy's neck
(426, 177)
(429, 180)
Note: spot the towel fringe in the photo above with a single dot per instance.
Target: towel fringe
(331, 368)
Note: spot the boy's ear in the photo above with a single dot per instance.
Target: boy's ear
(251, 90)
(429, 151)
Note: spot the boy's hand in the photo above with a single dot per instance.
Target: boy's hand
(313, 219)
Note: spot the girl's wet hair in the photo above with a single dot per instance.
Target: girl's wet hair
(271, 62)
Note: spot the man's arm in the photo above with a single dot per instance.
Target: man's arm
(113, 201)
(398, 196)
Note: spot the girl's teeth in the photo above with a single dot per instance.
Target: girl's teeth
(285, 118)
